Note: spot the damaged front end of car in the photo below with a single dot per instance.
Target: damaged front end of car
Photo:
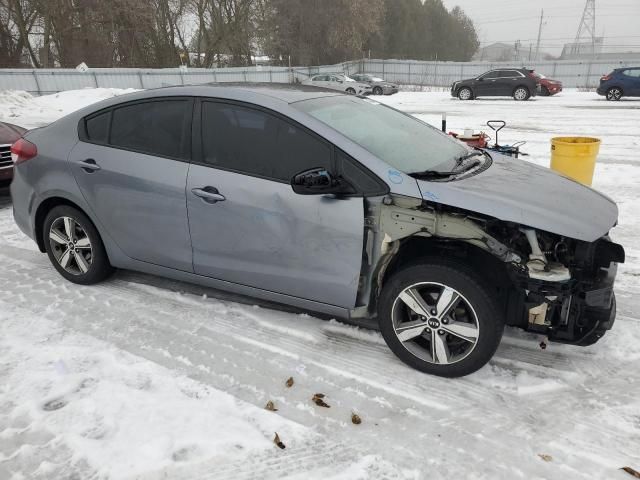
(546, 283)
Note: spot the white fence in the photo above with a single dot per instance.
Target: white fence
(584, 74)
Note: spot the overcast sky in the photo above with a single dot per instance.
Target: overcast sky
(510, 20)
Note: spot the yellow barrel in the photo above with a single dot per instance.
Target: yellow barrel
(575, 157)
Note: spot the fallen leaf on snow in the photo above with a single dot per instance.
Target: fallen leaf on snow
(545, 457)
(631, 471)
(355, 419)
(270, 406)
(289, 382)
(278, 442)
(317, 399)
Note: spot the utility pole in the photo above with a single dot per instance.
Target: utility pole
(539, 33)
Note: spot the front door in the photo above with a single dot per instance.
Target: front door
(486, 84)
(249, 227)
(131, 166)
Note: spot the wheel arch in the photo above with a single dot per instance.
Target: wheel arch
(491, 270)
(45, 207)
(618, 86)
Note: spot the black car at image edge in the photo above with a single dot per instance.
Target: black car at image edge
(519, 83)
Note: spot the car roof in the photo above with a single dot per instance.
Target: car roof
(282, 92)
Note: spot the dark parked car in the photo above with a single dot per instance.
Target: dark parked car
(519, 83)
(327, 202)
(379, 85)
(9, 133)
(621, 82)
(548, 87)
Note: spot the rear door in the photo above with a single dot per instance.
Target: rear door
(131, 166)
(632, 82)
(247, 224)
(506, 82)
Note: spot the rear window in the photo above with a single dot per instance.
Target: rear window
(155, 128)
(98, 127)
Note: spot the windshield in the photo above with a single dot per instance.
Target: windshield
(376, 79)
(400, 140)
(348, 79)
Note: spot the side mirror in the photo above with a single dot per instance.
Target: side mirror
(480, 79)
(318, 181)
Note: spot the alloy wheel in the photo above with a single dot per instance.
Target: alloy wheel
(70, 245)
(464, 94)
(435, 323)
(520, 94)
(614, 94)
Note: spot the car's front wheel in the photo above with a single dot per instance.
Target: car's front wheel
(74, 246)
(377, 91)
(521, 94)
(351, 91)
(440, 319)
(465, 93)
(614, 94)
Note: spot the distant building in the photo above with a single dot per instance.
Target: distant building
(508, 52)
(573, 51)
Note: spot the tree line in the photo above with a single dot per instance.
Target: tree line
(208, 33)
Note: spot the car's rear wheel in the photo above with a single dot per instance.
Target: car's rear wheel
(351, 91)
(74, 246)
(521, 94)
(465, 93)
(440, 319)
(377, 91)
(614, 94)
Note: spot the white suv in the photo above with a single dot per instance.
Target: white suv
(339, 81)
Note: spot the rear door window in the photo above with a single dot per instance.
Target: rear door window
(511, 74)
(257, 143)
(154, 127)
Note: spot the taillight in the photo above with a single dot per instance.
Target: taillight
(606, 77)
(23, 150)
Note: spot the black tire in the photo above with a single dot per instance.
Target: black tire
(614, 94)
(377, 91)
(521, 93)
(351, 91)
(465, 93)
(97, 266)
(489, 317)
(545, 92)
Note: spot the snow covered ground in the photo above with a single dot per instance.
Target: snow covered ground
(142, 377)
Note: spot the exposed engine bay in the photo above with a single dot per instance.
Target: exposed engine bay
(549, 284)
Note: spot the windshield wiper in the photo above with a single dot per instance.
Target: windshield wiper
(458, 169)
(432, 174)
(460, 160)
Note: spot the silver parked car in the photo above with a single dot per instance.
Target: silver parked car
(338, 81)
(378, 85)
(326, 202)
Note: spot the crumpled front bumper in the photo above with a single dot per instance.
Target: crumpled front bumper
(578, 312)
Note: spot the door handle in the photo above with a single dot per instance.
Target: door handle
(208, 194)
(89, 165)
